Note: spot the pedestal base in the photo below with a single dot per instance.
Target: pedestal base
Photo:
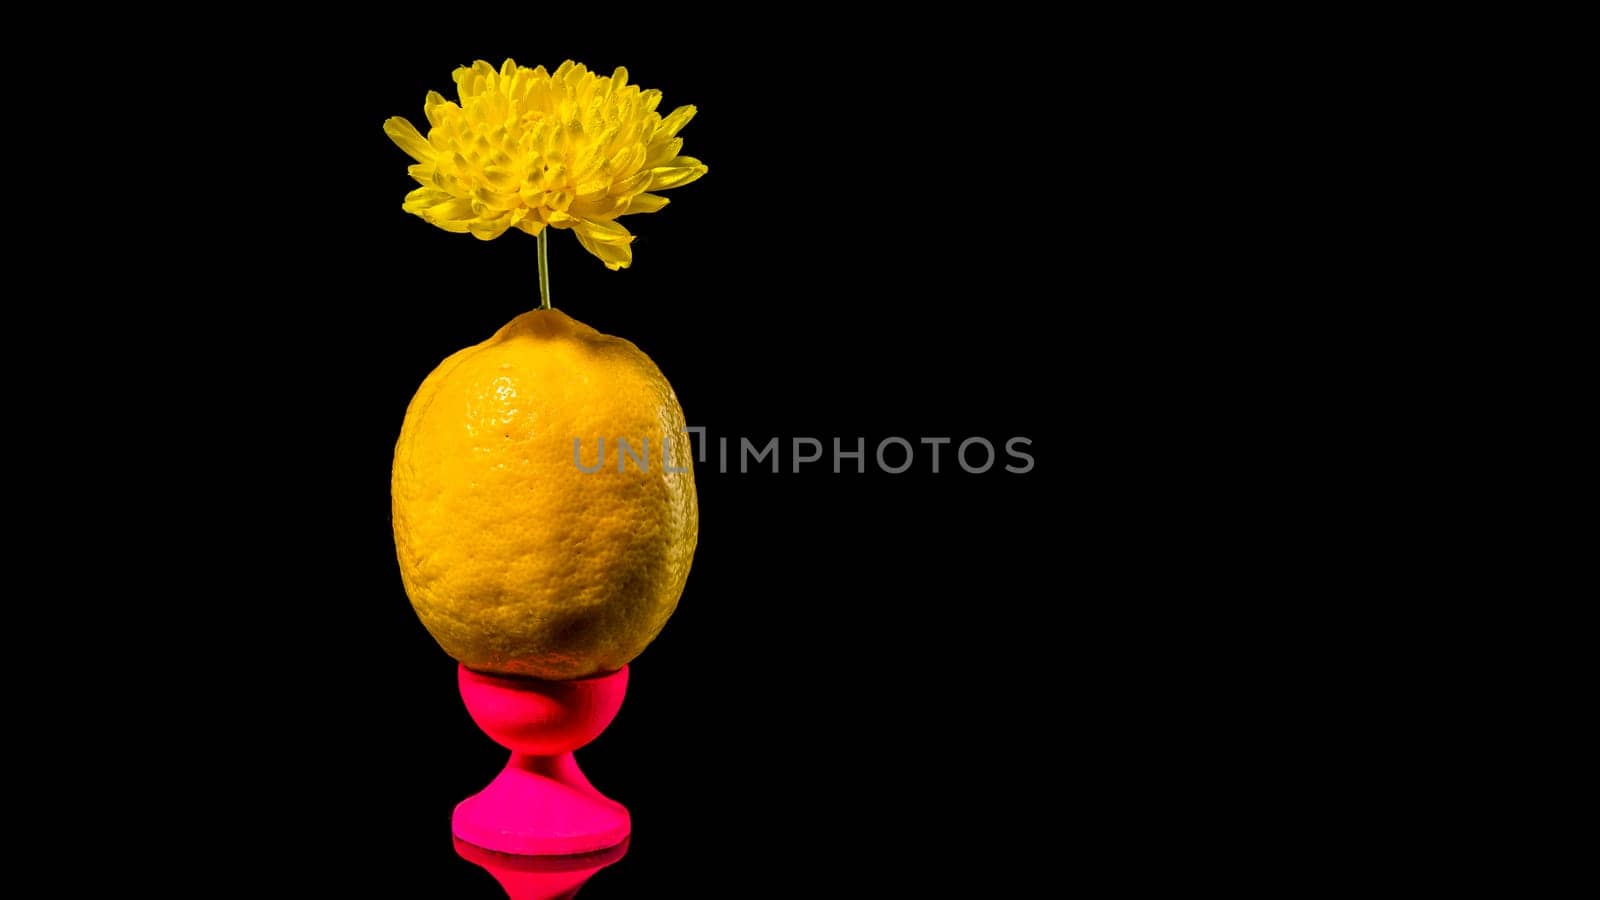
(541, 806)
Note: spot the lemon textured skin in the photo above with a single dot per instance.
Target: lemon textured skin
(515, 559)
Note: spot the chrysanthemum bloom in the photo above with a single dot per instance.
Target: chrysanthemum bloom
(526, 148)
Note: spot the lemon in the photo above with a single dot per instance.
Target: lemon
(517, 559)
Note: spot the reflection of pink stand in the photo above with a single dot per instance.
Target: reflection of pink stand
(541, 804)
(540, 877)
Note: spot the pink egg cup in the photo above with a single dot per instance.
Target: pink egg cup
(541, 804)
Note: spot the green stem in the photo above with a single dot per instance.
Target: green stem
(544, 267)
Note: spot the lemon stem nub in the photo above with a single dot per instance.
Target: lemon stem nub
(544, 267)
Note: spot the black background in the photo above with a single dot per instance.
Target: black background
(904, 676)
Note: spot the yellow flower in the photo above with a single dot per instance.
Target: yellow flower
(527, 148)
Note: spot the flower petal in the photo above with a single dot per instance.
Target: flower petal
(489, 229)
(405, 136)
(645, 203)
(627, 161)
(601, 208)
(493, 200)
(684, 170)
(605, 232)
(675, 121)
(425, 198)
(662, 152)
(632, 184)
(616, 254)
(436, 107)
(501, 179)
